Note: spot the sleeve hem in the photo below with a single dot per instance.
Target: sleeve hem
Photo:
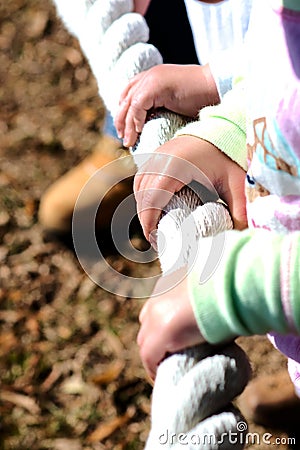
(229, 138)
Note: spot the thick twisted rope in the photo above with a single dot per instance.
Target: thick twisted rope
(194, 389)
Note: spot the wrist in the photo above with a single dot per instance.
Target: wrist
(212, 94)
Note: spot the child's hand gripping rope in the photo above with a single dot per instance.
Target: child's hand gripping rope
(193, 389)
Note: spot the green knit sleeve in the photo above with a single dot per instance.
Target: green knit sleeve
(253, 290)
(223, 125)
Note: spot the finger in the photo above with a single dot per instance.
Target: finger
(235, 198)
(142, 101)
(125, 92)
(139, 120)
(154, 165)
(129, 86)
(149, 205)
(134, 124)
(150, 208)
(121, 117)
(151, 354)
(143, 343)
(130, 131)
(125, 101)
(152, 197)
(154, 185)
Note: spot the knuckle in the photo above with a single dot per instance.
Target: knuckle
(137, 101)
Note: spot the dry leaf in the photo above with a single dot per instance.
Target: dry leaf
(20, 400)
(107, 428)
(110, 374)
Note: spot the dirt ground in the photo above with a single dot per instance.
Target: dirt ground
(71, 377)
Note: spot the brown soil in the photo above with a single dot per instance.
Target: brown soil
(70, 372)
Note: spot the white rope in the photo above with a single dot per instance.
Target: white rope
(192, 394)
(194, 388)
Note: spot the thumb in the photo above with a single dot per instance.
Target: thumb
(233, 194)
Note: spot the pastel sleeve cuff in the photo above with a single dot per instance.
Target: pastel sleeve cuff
(224, 126)
(252, 289)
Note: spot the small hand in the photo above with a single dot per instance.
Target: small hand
(178, 162)
(183, 89)
(167, 322)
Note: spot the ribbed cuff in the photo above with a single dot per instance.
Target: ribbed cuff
(213, 301)
(223, 134)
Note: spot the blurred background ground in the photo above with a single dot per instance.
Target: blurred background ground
(70, 373)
